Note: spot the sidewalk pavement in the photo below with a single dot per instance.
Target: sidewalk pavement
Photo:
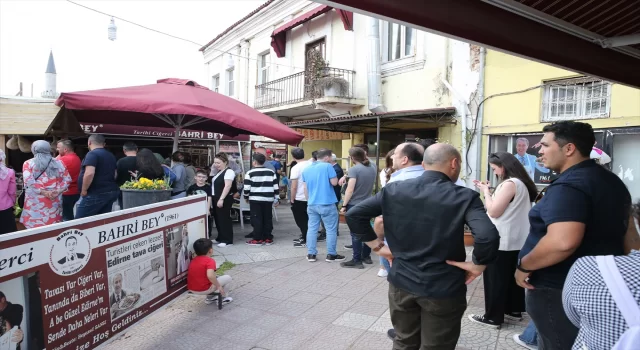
(282, 302)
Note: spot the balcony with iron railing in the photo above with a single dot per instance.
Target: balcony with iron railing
(297, 88)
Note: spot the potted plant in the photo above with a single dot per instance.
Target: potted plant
(142, 191)
(334, 86)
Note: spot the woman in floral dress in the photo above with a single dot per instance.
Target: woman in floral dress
(45, 179)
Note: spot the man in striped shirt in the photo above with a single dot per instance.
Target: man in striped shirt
(262, 192)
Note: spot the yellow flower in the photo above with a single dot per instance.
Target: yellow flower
(160, 182)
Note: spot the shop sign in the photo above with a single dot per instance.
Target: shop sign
(92, 128)
(76, 284)
(321, 135)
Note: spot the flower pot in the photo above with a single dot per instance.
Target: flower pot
(468, 239)
(332, 91)
(138, 198)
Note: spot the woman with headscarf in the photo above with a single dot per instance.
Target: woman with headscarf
(7, 197)
(45, 179)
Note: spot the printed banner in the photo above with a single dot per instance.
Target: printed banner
(76, 284)
(93, 128)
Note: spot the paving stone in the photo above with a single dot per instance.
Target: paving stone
(307, 297)
(372, 341)
(247, 334)
(270, 321)
(291, 308)
(369, 308)
(382, 325)
(334, 337)
(283, 341)
(353, 320)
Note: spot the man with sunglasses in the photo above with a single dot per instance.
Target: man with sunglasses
(583, 212)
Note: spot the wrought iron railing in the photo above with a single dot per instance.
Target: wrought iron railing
(299, 87)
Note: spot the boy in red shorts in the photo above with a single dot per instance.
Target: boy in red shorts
(201, 278)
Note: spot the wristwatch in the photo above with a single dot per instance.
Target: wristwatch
(376, 249)
(519, 267)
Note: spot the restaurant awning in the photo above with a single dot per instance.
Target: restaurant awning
(363, 122)
(35, 116)
(598, 38)
(279, 35)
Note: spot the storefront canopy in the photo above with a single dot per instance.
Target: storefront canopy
(279, 36)
(598, 38)
(178, 103)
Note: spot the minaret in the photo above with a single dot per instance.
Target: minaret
(50, 79)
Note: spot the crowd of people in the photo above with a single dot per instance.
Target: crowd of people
(567, 255)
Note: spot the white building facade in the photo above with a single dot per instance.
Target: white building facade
(421, 85)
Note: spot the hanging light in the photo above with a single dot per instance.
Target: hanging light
(112, 30)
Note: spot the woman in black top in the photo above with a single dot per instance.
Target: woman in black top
(223, 186)
(148, 166)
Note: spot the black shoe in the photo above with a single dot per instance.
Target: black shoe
(311, 258)
(514, 316)
(301, 244)
(302, 238)
(352, 264)
(337, 257)
(350, 247)
(322, 238)
(249, 235)
(484, 321)
(367, 260)
(391, 334)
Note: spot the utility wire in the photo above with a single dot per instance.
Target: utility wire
(176, 37)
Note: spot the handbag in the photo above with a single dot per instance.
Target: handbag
(20, 201)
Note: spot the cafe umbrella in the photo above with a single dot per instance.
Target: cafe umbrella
(180, 103)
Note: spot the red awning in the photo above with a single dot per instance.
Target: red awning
(590, 37)
(183, 104)
(279, 36)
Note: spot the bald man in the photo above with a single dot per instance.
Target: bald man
(424, 223)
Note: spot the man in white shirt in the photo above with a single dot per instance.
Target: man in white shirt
(298, 199)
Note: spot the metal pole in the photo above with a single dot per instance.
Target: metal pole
(241, 157)
(377, 147)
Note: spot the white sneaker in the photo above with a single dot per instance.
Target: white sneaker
(214, 241)
(209, 301)
(227, 300)
(222, 245)
(382, 273)
(516, 338)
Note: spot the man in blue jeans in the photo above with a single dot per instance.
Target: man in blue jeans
(97, 180)
(319, 179)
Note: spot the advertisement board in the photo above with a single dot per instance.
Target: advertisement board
(76, 284)
(111, 129)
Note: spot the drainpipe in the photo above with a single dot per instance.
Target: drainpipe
(374, 74)
(465, 113)
(247, 44)
(374, 80)
(478, 131)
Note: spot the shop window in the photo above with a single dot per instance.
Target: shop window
(626, 163)
(572, 99)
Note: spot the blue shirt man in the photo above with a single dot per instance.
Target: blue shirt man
(319, 179)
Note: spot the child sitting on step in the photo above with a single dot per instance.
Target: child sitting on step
(201, 278)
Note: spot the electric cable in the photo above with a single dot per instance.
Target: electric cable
(176, 37)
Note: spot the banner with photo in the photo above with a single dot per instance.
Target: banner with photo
(76, 284)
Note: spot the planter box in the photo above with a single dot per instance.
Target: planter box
(138, 198)
(468, 239)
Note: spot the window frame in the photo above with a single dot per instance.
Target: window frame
(215, 83)
(263, 68)
(230, 81)
(384, 49)
(580, 99)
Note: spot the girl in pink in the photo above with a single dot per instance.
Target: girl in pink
(45, 179)
(7, 197)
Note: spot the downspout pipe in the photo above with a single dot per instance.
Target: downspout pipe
(465, 112)
(374, 72)
(374, 80)
(479, 121)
